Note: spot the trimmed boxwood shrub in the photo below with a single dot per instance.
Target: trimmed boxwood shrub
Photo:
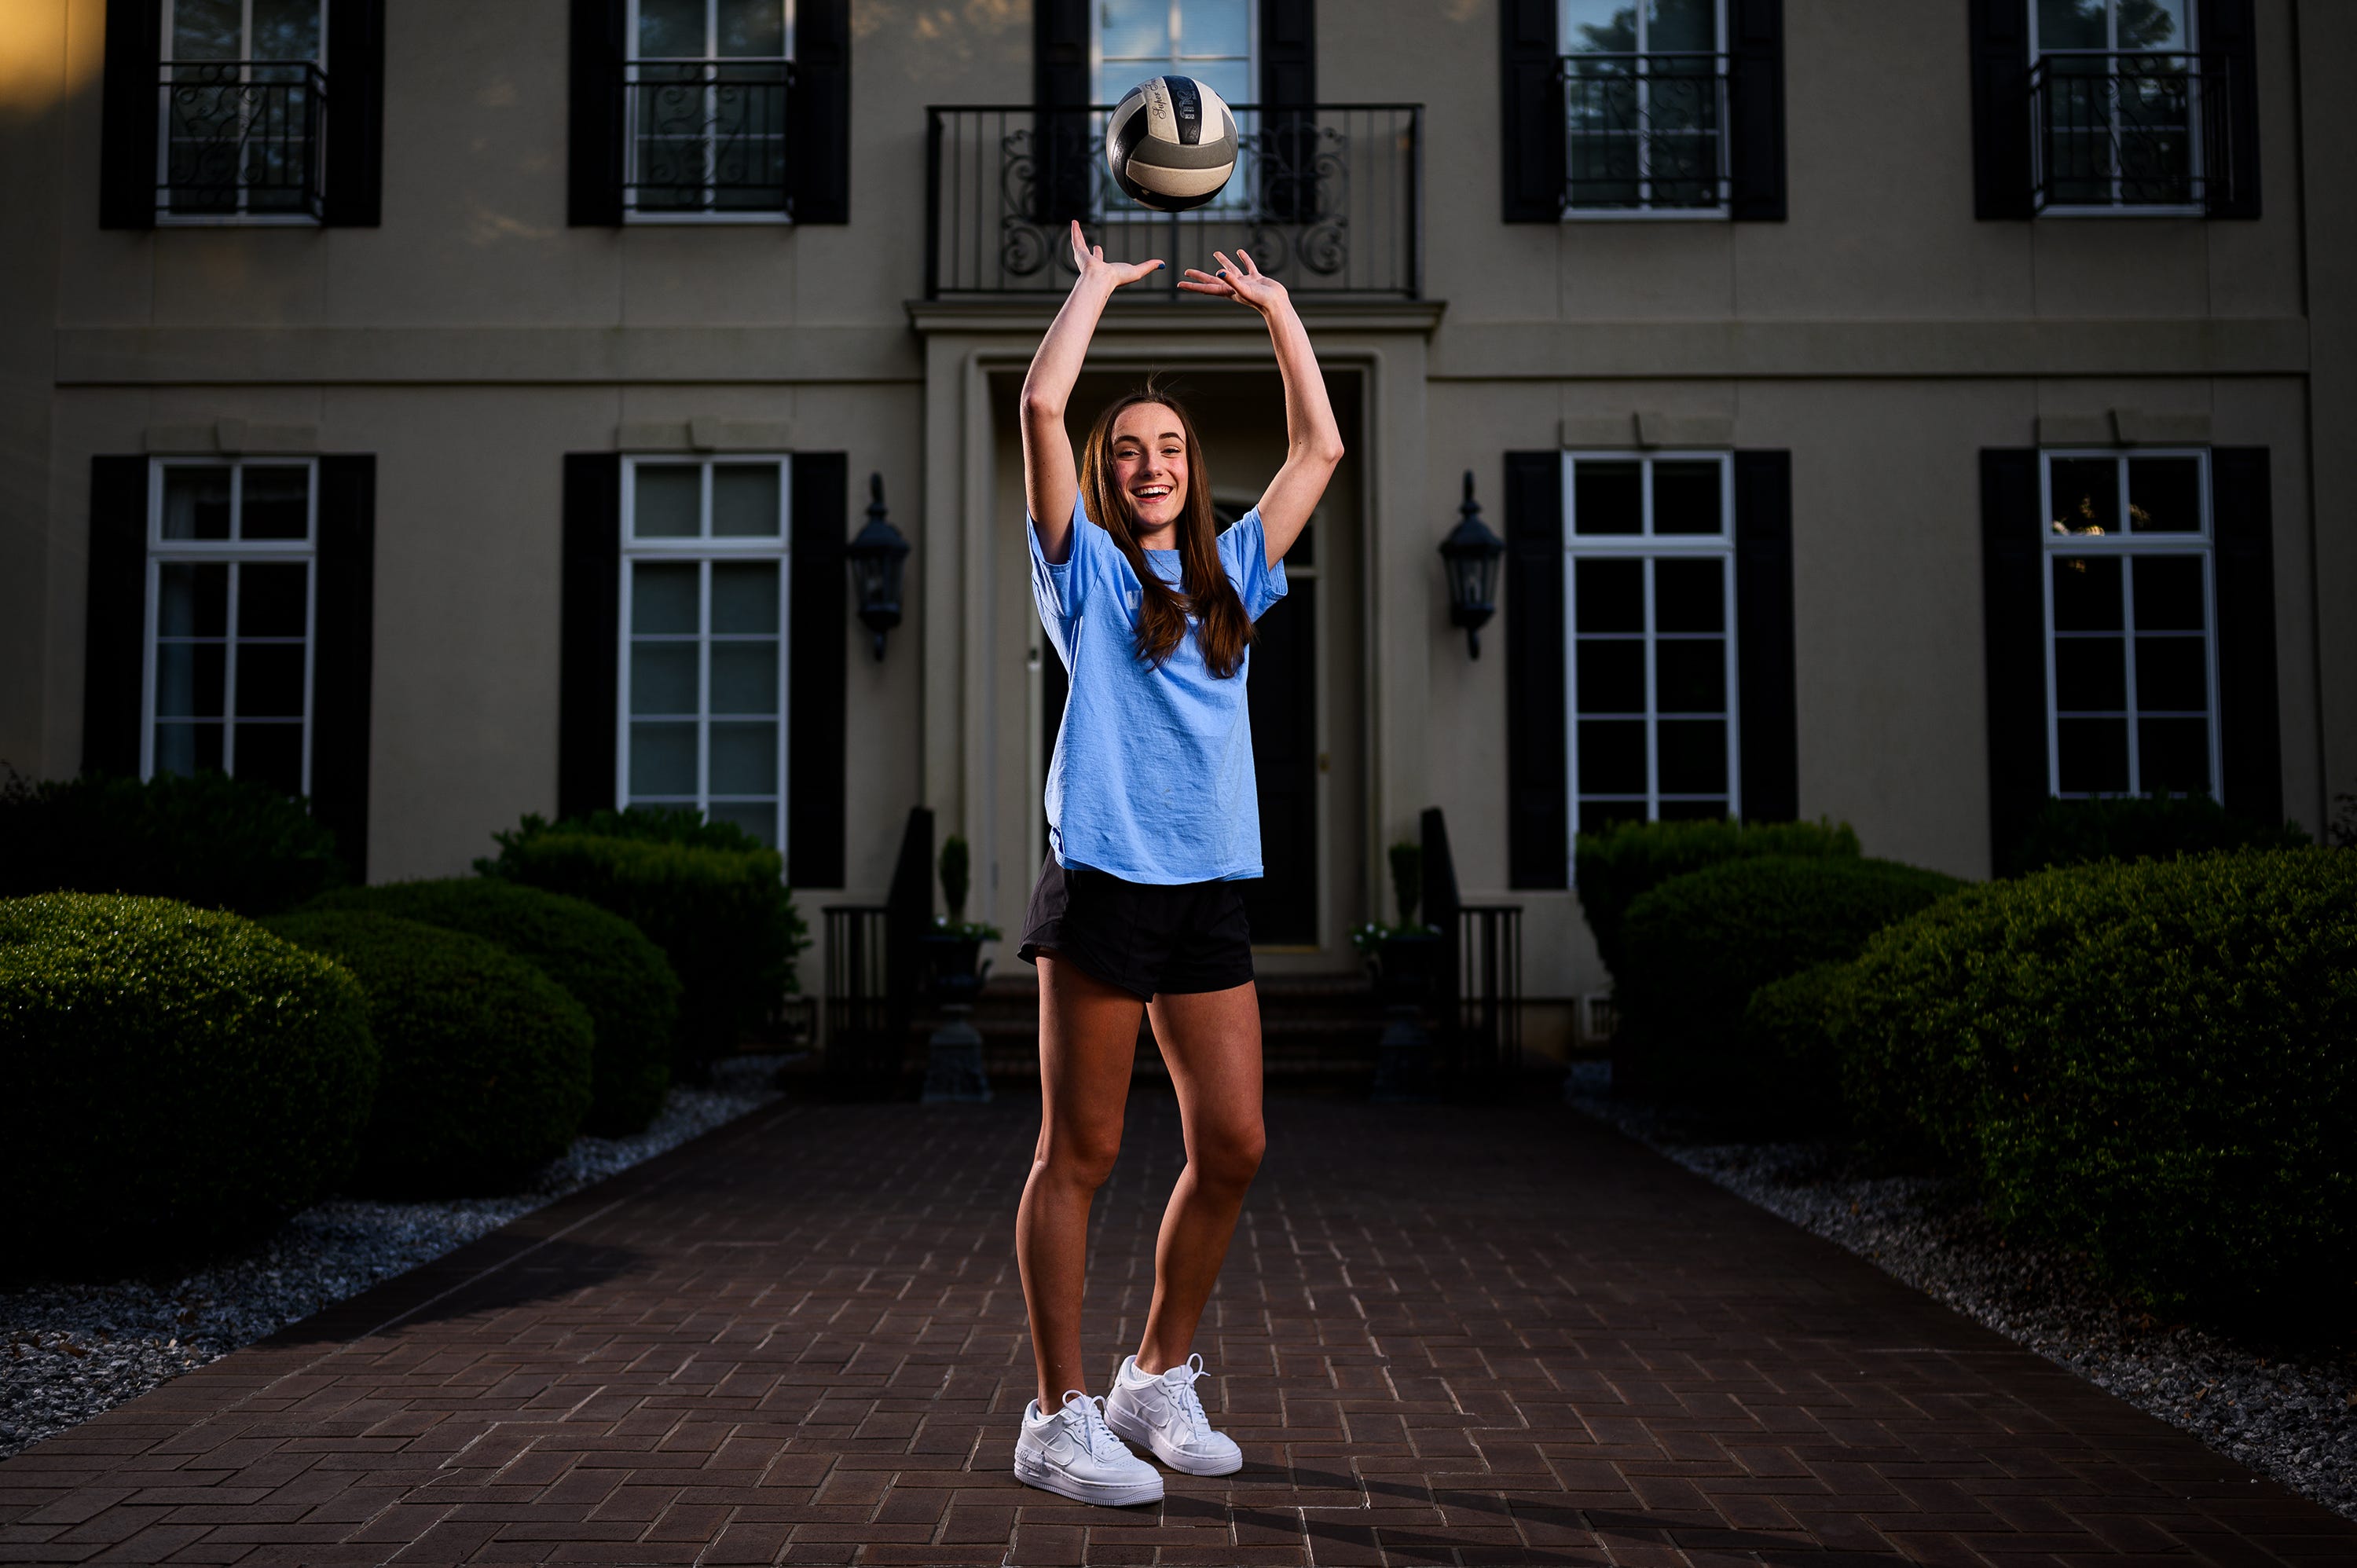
(654, 824)
(2152, 1060)
(1614, 868)
(721, 917)
(170, 1078)
(604, 962)
(2133, 827)
(486, 1074)
(205, 839)
(1697, 946)
(1791, 1030)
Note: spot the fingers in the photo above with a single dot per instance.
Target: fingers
(1249, 262)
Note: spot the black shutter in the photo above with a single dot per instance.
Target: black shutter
(2013, 622)
(114, 619)
(590, 648)
(1531, 91)
(2000, 47)
(2230, 83)
(2248, 719)
(1060, 88)
(1288, 90)
(342, 654)
(822, 111)
(594, 131)
(1538, 784)
(354, 176)
(814, 703)
(1755, 109)
(1764, 636)
(126, 134)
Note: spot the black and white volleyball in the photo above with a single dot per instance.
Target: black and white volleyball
(1171, 144)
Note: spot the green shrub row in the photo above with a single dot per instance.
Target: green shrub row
(1616, 867)
(2133, 827)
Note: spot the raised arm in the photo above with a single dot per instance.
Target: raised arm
(1049, 479)
(1313, 442)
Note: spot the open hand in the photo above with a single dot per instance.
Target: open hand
(1090, 262)
(1246, 284)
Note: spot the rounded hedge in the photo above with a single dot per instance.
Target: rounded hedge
(486, 1073)
(170, 1078)
(1790, 1030)
(604, 962)
(2137, 827)
(1614, 868)
(2150, 1060)
(1697, 946)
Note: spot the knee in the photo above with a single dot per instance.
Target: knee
(1081, 1159)
(1228, 1158)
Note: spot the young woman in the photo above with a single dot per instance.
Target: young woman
(1152, 821)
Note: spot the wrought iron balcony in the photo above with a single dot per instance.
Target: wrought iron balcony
(240, 139)
(1328, 199)
(707, 138)
(2130, 129)
(1646, 132)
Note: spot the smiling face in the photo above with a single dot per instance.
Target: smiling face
(1148, 452)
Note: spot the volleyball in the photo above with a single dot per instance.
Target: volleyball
(1171, 144)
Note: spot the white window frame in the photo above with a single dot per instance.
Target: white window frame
(1648, 546)
(1237, 196)
(632, 61)
(1647, 213)
(704, 550)
(232, 552)
(2196, 143)
(241, 218)
(2132, 544)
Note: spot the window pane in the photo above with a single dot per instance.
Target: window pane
(1685, 497)
(276, 504)
(2092, 755)
(1611, 757)
(270, 596)
(2153, 25)
(2086, 495)
(663, 758)
(1607, 497)
(744, 759)
(2086, 594)
(752, 27)
(1214, 27)
(185, 748)
(1595, 816)
(1703, 810)
(744, 597)
(1599, 26)
(2172, 675)
(208, 30)
(671, 29)
(272, 754)
(1688, 25)
(669, 502)
(1694, 756)
(2174, 755)
(196, 503)
(1134, 30)
(269, 680)
(1611, 675)
(663, 677)
(1230, 80)
(2168, 595)
(2164, 495)
(192, 599)
(284, 29)
(1690, 595)
(663, 597)
(759, 819)
(745, 500)
(1608, 595)
(2071, 24)
(744, 677)
(2091, 674)
(189, 679)
(1690, 677)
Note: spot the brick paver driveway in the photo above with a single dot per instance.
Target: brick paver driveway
(1448, 1335)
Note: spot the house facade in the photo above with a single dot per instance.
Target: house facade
(1898, 414)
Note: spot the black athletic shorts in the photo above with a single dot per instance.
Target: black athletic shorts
(1147, 938)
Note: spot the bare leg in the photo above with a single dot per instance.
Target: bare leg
(1088, 1040)
(1210, 1042)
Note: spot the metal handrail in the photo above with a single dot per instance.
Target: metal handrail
(1645, 132)
(706, 136)
(2129, 128)
(241, 138)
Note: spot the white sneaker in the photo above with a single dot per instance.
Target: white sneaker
(1075, 1455)
(1163, 1413)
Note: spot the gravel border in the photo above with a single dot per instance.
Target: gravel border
(2294, 1418)
(70, 1349)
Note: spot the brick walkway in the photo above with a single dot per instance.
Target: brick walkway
(1450, 1336)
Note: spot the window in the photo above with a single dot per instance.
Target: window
(243, 94)
(232, 548)
(2117, 106)
(1644, 89)
(1650, 617)
(705, 91)
(704, 577)
(2131, 662)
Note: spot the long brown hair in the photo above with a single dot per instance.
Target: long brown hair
(1203, 586)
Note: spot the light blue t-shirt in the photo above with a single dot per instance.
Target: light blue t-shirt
(1152, 779)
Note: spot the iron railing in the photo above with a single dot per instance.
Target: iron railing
(1486, 1044)
(1644, 132)
(706, 138)
(241, 138)
(1327, 198)
(864, 1020)
(2128, 129)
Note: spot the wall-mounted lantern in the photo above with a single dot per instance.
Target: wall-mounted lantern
(1471, 551)
(876, 554)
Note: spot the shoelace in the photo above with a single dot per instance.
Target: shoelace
(1180, 1383)
(1089, 1426)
